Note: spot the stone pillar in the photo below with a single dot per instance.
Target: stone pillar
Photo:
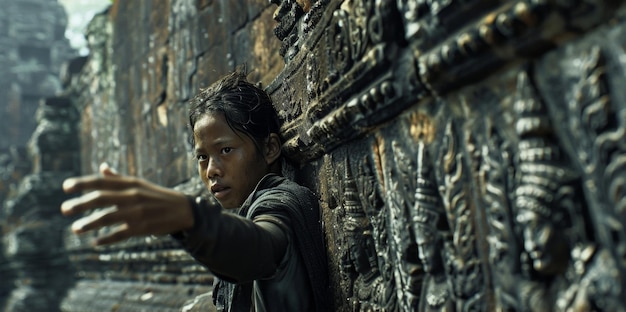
(32, 49)
(13, 166)
(32, 225)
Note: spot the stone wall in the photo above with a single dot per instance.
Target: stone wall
(39, 270)
(468, 155)
(33, 48)
(147, 59)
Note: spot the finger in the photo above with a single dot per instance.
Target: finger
(118, 234)
(78, 204)
(98, 182)
(135, 217)
(103, 218)
(107, 171)
(130, 222)
(134, 228)
(99, 199)
(71, 185)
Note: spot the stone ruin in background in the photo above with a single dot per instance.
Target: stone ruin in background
(33, 49)
(469, 155)
(34, 271)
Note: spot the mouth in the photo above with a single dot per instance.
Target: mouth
(536, 255)
(219, 191)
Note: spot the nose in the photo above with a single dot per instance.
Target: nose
(530, 243)
(214, 168)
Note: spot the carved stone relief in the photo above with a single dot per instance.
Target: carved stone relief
(592, 115)
(470, 155)
(430, 224)
(461, 256)
(498, 184)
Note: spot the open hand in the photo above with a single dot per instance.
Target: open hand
(140, 207)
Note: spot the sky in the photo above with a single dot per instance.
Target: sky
(79, 13)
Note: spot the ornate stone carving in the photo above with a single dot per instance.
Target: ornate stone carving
(461, 257)
(596, 120)
(471, 152)
(369, 190)
(545, 202)
(496, 176)
(400, 189)
(368, 289)
(429, 223)
(287, 15)
(354, 42)
(541, 175)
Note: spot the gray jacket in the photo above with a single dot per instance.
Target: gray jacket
(269, 255)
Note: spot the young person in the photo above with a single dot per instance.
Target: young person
(259, 233)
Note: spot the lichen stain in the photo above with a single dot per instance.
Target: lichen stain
(422, 128)
(378, 150)
(162, 114)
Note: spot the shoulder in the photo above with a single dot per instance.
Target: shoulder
(291, 188)
(278, 186)
(280, 194)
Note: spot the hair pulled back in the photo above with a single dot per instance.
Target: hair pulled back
(246, 108)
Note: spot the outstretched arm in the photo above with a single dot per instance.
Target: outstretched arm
(231, 246)
(141, 208)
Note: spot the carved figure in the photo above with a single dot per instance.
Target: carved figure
(408, 269)
(374, 208)
(460, 254)
(595, 286)
(496, 181)
(429, 223)
(594, 276)
(540, 176)
(288, 15)
(429, 227)
(368, 288)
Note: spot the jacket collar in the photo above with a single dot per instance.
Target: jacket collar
(268, 181)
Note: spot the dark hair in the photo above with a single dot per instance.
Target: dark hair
(246, 107)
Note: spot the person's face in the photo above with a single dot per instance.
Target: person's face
(426, 248)
(229, 163)
(541, 242)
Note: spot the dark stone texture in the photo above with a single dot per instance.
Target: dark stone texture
(32, 50)
(468, 155)
(131, 94)
(33, 246)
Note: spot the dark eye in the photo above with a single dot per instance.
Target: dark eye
(226, 150)
(201, 157)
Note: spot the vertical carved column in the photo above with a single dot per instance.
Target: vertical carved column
(429, 223)
(363, 268)
(593, 121)
(496, 182)
(370, 188)
(33, 237)
(461, 257)
(544, 186)
(408, 271)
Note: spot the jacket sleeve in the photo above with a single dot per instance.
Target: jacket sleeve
(234, 248)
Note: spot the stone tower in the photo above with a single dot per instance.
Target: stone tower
(32, 49)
